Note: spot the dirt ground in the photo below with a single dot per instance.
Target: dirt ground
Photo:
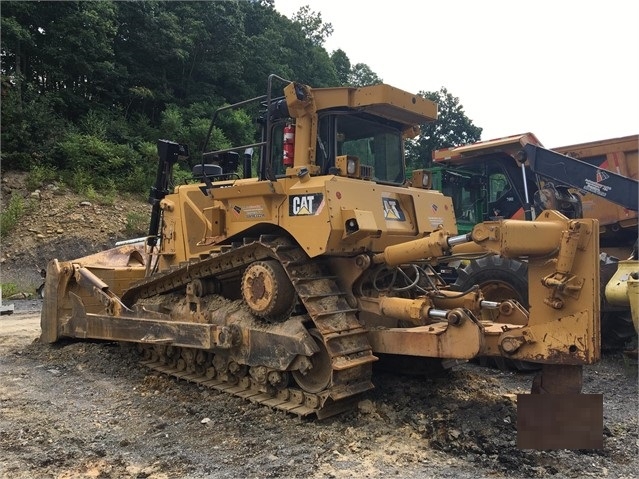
(88, 409)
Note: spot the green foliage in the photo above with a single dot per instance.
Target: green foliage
(89, 87)
(452, 128)
(106, 196)
(137, 224)
(181, 176)
(141, 174)
(10, 216)
(197, 131)
(95, 162)
(361, 75)
(236, 127)
(30, 127)
(95, 124)
(9, 289)
(79, 180)
(172, 124)
(312, 25)
(40, 175)
(342, 66)
(145, 132)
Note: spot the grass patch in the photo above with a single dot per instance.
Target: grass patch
(40, 175)
(11, 215)
(9, 289)
(136, 224)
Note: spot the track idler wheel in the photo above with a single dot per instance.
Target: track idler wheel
(267, 291)
(318, 377)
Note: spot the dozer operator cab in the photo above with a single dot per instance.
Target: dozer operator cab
(353, 132)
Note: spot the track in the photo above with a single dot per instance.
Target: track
(341, 370)
(290, 399)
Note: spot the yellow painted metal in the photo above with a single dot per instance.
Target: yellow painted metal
(623, 288)
(563, 326)
(515, 238)
(118, 268)
(633, 297)
(432, 246)
(617, 291)
(438, 340)
(199, 221)
(380, 100)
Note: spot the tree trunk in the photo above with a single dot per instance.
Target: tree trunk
(19, 75)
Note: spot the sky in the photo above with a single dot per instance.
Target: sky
(567, 71)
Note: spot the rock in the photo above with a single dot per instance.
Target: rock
(206, 420)
(366, 406)
(20, 295)
(86, 203)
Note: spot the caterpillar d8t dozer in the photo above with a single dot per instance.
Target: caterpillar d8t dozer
(284, 286)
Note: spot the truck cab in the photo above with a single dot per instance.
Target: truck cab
(486, 184)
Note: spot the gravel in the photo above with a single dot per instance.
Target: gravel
(88, 409)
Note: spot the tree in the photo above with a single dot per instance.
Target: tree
(17, 43)
(452, 128)
(108, 74)
(362, 75)
(357, 75)
(312, 25)
(342, 66)
(62, 49)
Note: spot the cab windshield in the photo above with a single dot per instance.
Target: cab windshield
(375, 144)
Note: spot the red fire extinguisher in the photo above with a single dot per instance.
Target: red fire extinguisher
(289, 145)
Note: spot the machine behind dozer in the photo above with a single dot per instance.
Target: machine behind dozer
(285, 286)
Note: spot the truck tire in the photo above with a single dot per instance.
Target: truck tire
(617, 331)
(499, 279)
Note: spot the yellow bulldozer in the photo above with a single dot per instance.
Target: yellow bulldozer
(284, 285)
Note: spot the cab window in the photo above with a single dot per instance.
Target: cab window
(498, 186)
(375, 144)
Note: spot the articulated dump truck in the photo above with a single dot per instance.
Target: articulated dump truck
(284, 285)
